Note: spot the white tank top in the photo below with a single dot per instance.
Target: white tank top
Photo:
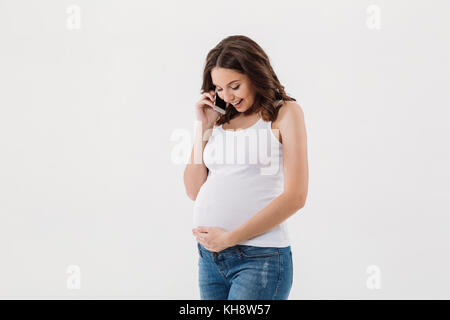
(245, 175)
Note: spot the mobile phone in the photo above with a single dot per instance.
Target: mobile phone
(219, 105)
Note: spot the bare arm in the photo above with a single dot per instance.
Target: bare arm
(196, 172)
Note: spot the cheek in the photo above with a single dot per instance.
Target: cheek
(242, 93)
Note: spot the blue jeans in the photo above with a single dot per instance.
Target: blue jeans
(245, 273)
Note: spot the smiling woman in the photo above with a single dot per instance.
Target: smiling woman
(241, 205)
(238, 68)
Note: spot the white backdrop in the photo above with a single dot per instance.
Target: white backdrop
(97, 107)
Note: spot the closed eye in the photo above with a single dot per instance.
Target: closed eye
(231, 88)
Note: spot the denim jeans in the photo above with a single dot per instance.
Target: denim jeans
(245, 273)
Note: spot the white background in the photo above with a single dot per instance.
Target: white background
(89, 120)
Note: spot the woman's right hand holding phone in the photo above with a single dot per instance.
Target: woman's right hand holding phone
(205, 110)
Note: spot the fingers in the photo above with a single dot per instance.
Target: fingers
(208, 99)
(200, 236)
(211, 95)
(202, 240)
(207, 102)
(202, 229)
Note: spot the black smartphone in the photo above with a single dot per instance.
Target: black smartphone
(219, 105)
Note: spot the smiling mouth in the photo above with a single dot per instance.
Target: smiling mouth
(238, 104)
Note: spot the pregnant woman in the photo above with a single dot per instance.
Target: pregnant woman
(248, 173)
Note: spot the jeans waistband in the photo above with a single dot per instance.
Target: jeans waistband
(234, 250)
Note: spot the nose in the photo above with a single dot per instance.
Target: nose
(227, 97)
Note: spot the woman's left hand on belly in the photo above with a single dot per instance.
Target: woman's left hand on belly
(214, 239)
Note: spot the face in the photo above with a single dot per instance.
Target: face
(233, 87)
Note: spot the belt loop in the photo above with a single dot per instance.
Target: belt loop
(199, 250)
(239, 250)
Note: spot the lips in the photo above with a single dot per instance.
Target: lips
(236, 103)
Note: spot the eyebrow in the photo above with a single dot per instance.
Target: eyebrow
(228, 83)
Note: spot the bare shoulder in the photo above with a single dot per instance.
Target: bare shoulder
(290, 112)
(289, 116)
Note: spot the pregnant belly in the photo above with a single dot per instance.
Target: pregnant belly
(228, 204)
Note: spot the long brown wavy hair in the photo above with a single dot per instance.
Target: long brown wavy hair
(242, 54)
